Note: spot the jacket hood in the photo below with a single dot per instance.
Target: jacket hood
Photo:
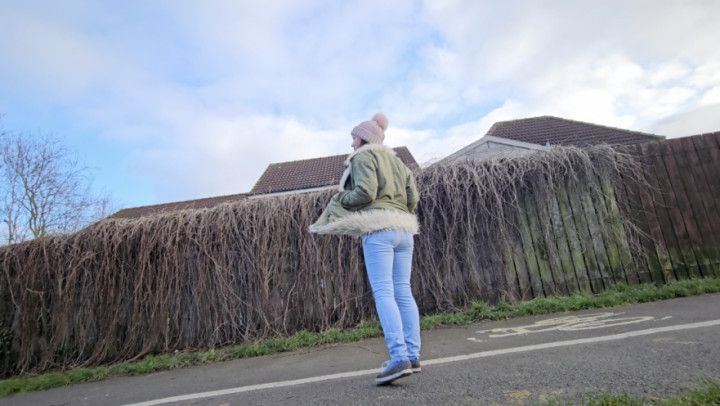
(369, 147)
(366, 147)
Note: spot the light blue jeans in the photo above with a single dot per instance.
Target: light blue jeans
(388, 259)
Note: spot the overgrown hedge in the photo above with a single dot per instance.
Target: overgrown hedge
(121, 289)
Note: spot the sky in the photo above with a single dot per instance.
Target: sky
(176, 100)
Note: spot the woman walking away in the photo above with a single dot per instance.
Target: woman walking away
(376, 201)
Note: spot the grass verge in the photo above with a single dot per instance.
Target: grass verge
(621, 294)
(707, 393)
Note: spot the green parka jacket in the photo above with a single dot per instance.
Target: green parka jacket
(377, 192)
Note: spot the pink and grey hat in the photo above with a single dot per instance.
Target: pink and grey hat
(372, 131)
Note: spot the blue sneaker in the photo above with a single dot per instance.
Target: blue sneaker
(415, 365)
(392, 371)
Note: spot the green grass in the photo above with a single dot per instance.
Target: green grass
(479, 311)
(707, 393)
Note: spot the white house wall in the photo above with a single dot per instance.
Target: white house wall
(490, 149)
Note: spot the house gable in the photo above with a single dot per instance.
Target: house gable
(551, 130)
(489, 146)
(515, 137)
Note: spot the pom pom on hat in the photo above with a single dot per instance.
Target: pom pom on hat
(381, 120)
(372, 131)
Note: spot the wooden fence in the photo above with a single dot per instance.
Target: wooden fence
(561, 245)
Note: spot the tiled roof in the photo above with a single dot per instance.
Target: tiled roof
(311, 173)
(561, 131)
(135, 212)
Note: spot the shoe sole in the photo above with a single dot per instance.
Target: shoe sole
(390, 378)
(416, 370)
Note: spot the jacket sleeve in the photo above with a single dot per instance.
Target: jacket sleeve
(412, 193)
(364, 176)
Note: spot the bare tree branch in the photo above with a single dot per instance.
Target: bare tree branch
(43, 188)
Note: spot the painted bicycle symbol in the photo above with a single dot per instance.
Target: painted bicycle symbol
(567, 323)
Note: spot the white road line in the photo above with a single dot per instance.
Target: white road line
(435, 361)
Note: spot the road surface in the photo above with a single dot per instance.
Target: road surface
(651, 349)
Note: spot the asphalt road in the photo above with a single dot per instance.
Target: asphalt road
(652, 349)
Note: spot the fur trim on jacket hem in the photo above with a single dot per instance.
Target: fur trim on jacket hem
(368, 221)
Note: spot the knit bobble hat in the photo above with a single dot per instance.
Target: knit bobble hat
(372, 131)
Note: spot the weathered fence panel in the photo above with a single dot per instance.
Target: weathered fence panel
(680, 211)
(577, 241)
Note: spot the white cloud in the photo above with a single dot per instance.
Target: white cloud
(311, 59)
(619, 63)
(703, 119)
(225, 155)
(428, 146)
(668, 73)
(50, 58)
(712, 96)
(208, 95)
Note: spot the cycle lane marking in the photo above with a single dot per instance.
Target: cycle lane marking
(565, 323)
(436, 361)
